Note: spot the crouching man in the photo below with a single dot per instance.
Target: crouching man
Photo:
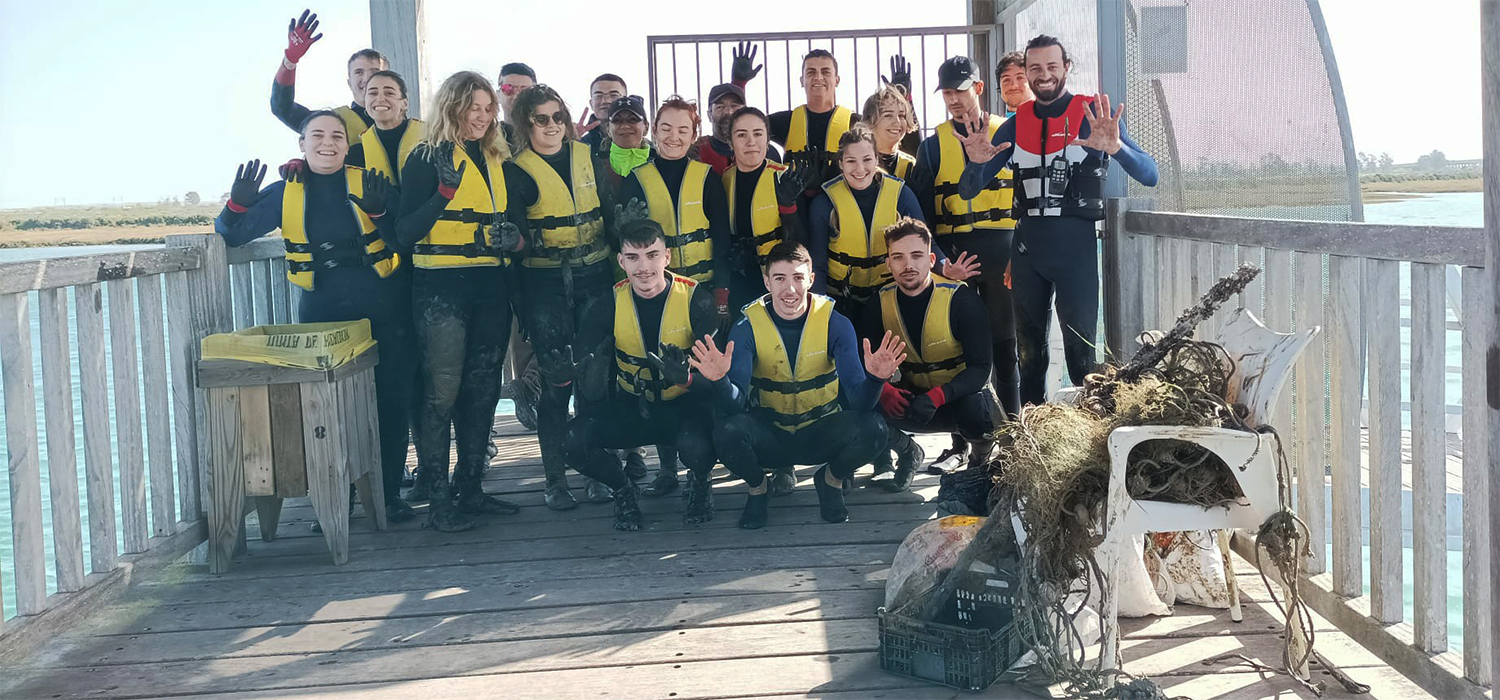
(946, 331)
(792, 389)
(639, 381)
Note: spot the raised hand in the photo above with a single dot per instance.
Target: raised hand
(246, 187)
(558, 366)
(743, 69)
(801, 167)
(884, 362)
(377, 194)
(586, 123)
(449, 177)
(900, 73)
(505, 236)
(300, 37)
(966, 266)
(1104, 126)
(708, 361)
(291, 171)
(976, 143)
(671, 362)
(634, 210)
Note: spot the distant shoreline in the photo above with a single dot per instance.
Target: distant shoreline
(1379, 192)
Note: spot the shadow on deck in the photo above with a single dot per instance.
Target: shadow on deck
(558, 606)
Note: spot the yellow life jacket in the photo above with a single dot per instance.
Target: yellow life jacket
(904, 163)
(355, 126)
(304, 259)
(630, 347)
(570, 224)
(765, 212)
(939, 358)
(793, 396)
(856, 252)
(378, 160)
(684, 226)
(954, 214)
(461, 236)
(838, 123)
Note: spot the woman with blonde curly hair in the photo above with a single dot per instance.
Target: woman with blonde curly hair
(460, 229)
(891, 118)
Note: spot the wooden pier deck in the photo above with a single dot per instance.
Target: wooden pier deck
(558, 606)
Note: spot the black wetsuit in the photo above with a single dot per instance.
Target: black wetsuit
(285, 107)
(820, 231)
(348, 293)
(1054, 254)
(746, 283)
(624, 420)
(561, 307)
(462, 317)
(389, 138)
(966, 407)
(715, 207)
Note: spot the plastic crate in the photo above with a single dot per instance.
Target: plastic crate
(967, 659)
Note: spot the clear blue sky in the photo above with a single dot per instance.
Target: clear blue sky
(166, 96)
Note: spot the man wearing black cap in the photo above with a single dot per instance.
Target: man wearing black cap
(1062, 146)
(979, 225)
(714, 149)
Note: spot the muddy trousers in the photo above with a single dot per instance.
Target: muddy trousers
(1055, 256)
(463, 325)
(749, 444)
(992, 247)
(556, 320)
(685, 423)
(349, 294)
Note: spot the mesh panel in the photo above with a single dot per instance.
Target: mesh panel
(1235, 128)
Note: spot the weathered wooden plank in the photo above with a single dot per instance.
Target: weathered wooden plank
(158, 406)
(1253, 298)
(1427, 244)
(281, 309)
(24, 463)
(126, 378)
(1312, 402)
(226, 483)
(50, 273)
(255, 441)
(1276, 280)
(182, 352)
(1163, 274)
(62, 460)
(1182, 276)
(1346, 373)
(239, 373)
(364, 465)
(265, 297)
(1429, 457)
(1222, 262)
(1382, 303)
(1147, 281)
(98, 450)
(244, 294)
(264, 248)
(327, 466)
(1489, 79)
(287, 461)
(208, 310)
(1203, 268)
(1477, 584)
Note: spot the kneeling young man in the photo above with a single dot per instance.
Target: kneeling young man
(946, 330)
(792, 388)
(658, 316)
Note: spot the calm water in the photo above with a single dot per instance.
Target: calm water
(1457, 209)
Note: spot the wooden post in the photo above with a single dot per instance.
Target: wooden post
(158, 406)
(199, 308)
(1345, 370)
(1489, 77)
(399, 30)
(126, 380)
(21, 452)
(98, 451)
(1383, 357)
(62, 461)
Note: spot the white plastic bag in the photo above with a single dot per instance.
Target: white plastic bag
(1137, 593)
(1193, 562)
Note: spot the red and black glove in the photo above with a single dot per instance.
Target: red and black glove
(893, 401)
(923, 407)
(246, 187)
(291, 171)
(300, 36)
(721, 299)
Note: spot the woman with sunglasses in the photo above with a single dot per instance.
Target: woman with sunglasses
(457, 221)
(566, 271)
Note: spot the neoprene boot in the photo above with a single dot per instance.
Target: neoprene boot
(627, 507)
(596, 492)
(830, 498)
(557, 495)
(665, 483)
(908, 455)
(980, 452)
(472, 500)
(700, 500)
(524, 397)
(635, 465)
(883, 462)
(757, 511)
(783, 482)
(396, 511)
(443, 516)
(421, 487)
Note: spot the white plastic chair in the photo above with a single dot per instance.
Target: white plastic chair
(1263, 361)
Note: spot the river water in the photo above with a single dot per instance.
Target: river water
(1452, 209)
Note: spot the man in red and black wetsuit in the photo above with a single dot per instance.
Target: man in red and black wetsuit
(301, 35)
(723, 101)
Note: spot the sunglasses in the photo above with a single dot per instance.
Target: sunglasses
(509, 89)
(560, 118)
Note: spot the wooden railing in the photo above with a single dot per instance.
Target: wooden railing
(158, 304)
(1346, 278)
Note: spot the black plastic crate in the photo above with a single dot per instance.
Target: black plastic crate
(967, 659)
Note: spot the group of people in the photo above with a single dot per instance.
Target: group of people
(808, 287)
